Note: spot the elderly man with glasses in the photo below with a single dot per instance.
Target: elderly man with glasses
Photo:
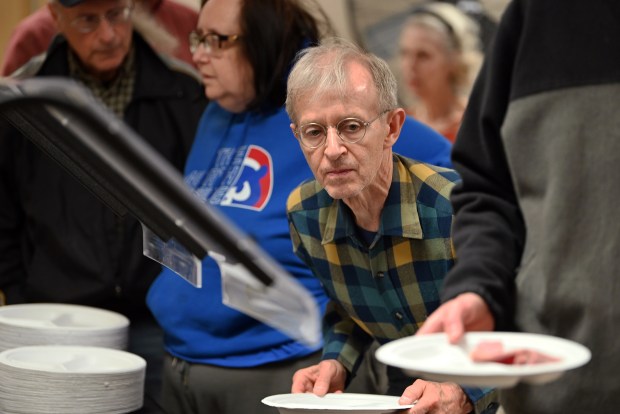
(58, 242)
(374, 226)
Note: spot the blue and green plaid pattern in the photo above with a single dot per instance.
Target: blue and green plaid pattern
(386, 290)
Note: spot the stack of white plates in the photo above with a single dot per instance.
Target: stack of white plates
(53, 379)
(61, 324)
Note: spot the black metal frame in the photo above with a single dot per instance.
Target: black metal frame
(65, 121)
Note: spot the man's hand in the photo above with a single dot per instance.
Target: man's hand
(466, 312)
(436, 398)
(326, 377)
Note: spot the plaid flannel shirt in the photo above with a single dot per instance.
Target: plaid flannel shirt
(384, 291)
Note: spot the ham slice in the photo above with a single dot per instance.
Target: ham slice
(493, 351)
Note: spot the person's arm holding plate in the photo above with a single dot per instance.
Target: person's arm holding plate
(326, 377)
(343, 349)
(436, 397)
(344, 345)
(466, 312)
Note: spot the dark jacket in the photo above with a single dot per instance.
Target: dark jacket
(536, 213)
(58, 242)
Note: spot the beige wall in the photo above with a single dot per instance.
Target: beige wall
(195, 4)
(337, 12)
(11, 12)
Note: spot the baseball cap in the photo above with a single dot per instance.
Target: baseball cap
(70, 3)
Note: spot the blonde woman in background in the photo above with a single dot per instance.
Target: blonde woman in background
(440, 55)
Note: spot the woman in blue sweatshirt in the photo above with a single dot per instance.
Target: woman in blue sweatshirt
(245, 161)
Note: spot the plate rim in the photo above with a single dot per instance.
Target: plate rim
(297, 405)
(119, 321)
(137, 362)
(385, 354)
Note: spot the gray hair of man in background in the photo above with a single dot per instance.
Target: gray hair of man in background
(321, 71)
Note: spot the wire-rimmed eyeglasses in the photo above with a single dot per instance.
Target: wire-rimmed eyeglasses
(88, 23)
(212, 43)
(349, 130)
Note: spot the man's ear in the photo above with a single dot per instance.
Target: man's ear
(293, 129)
(395, 121)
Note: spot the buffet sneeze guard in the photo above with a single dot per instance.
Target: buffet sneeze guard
(67, 123)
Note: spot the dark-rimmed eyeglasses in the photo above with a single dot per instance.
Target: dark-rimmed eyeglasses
(88, 23)
(349, 130)
(212, 43)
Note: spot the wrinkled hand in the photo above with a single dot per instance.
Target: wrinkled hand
(328, 376)
(466, 312)
(436, 398)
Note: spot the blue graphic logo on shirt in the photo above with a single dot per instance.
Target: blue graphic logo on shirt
(253, 183)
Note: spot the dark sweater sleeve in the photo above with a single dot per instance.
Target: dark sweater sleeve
(12, 271)
(488, 229)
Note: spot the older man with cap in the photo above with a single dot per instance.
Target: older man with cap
(58, 242)
(168, 23)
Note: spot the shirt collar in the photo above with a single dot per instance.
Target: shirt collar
(399, 216)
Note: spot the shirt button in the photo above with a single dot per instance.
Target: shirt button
(398, 316)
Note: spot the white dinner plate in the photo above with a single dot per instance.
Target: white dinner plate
(350, 403)
(61, 316)
(433, 357)
(72, 359)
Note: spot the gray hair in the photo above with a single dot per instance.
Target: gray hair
(321, 70)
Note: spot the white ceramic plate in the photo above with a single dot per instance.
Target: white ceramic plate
(350, 403)
(60, 316)
(433, 357)
(72, 359)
